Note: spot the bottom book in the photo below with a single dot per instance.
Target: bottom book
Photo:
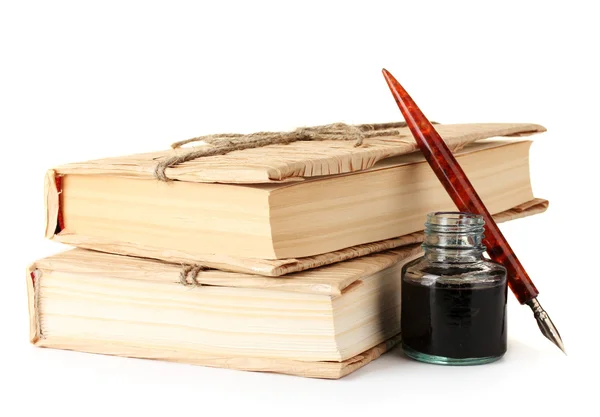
(323, 323)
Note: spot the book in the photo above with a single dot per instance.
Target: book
(278, 202)
(325, 322)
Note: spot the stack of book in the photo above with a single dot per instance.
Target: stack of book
(284, 258)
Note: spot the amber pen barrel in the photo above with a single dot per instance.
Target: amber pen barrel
(461, 190)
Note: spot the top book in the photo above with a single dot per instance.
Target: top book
(278, 201)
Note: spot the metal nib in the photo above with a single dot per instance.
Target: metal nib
(546, 326)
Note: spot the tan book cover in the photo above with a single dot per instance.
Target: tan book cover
(295, 161)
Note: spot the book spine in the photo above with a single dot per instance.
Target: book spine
(33, 277)
(52, 192)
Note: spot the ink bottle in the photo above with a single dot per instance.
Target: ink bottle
(454, 299)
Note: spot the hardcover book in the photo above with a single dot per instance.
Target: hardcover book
(278, 202)
(324, 323)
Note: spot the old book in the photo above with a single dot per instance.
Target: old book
(281, 267)
(280, 201)
(324, 323)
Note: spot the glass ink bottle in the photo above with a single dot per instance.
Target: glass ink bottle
(454, 299)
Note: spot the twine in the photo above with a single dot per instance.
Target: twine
(189, 275)
(227, 142)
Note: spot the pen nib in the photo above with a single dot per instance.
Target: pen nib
(546, 326)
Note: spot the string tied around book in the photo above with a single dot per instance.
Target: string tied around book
(189, 275)
(224, 143)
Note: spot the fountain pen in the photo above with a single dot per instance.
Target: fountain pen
(464, 196)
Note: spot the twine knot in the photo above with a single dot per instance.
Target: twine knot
(189, 275)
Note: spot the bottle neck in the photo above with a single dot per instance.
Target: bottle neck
(433, 254)
(452, 237)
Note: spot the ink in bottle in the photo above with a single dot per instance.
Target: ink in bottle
(454, 299)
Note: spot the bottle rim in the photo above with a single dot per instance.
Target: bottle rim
(454, 218)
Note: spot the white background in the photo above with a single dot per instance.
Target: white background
(81, 80)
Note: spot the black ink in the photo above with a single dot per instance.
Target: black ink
(454, 320)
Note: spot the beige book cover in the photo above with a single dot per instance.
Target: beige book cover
(294, 161)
